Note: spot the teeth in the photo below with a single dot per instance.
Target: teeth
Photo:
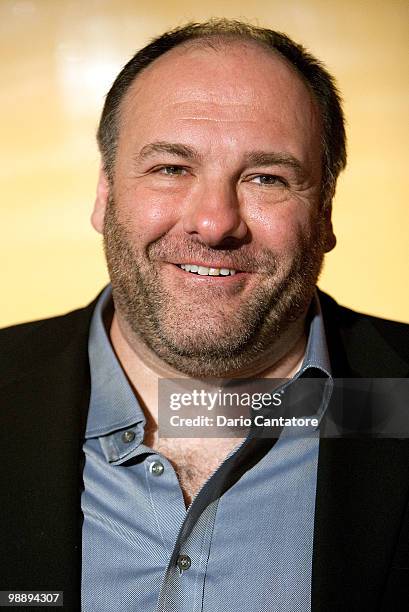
(205, 271)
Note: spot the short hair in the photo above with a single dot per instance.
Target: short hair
(311, 70)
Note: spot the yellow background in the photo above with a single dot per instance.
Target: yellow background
(59, 57)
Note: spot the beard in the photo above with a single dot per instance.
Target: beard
(199, 334)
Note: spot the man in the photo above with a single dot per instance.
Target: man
(221, 144)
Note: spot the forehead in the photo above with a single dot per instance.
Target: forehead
(231, 84)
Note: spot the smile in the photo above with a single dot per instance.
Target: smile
(205, 271)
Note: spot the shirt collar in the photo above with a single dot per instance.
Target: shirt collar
(316, 353)
(113, 405)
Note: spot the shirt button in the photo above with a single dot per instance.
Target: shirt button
(184, 562)
(128, 436)
(157, 468)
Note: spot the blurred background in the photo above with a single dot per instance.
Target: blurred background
(58, 59)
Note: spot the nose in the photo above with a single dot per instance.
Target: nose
(214, 215)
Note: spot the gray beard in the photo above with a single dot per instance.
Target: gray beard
(216, 343)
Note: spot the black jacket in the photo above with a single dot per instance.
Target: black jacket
(361, 533)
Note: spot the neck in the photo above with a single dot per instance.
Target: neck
(144, 368)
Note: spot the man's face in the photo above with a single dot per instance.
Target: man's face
(218, 167)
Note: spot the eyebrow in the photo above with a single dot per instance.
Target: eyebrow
(252, 158)
(262, 158)
(173, 148)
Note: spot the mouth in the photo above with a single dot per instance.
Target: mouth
(202, 270)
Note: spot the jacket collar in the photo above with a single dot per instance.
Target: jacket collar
(362, 346)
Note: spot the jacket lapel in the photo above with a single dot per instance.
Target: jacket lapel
(362, 484)
(44, 412)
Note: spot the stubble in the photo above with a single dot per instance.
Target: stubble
(204, 338)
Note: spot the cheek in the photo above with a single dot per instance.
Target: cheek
(146, 214)
(281, 227)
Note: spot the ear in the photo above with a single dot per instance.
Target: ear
(330, 239)
(101, 201)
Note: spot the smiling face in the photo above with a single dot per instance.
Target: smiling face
(212, 226)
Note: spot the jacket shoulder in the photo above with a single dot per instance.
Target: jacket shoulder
(372, 345)
(28, 346)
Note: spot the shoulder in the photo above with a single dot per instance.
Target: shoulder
(373, 346)
(351, 320)
(27, 346)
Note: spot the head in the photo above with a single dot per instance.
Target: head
(221, 144)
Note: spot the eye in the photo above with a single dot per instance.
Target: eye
(171, 170)
(269, 179)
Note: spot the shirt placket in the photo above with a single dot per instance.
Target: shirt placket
(183, 584)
